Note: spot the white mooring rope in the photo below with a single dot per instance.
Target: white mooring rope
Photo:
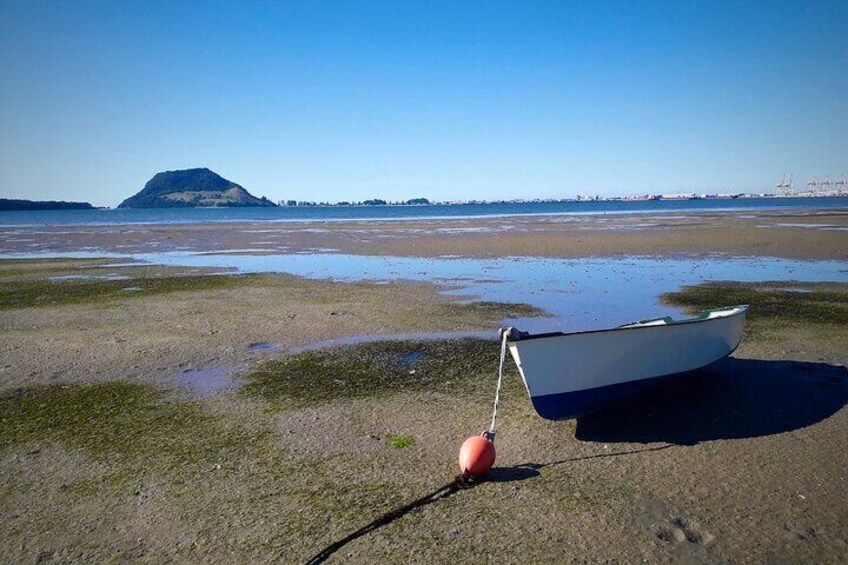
(504, 337)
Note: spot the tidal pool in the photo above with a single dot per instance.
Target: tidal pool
(580, 294)
(585, 293)
(206, 381)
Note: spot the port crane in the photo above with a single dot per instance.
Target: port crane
(812, 185)
(784, 187)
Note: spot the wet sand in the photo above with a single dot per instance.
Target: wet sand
(745, 462)
(815, 234)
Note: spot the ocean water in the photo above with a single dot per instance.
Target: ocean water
(284, 214)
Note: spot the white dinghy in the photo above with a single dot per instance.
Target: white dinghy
(571, 374)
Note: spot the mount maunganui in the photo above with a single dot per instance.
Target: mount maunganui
(192, 188)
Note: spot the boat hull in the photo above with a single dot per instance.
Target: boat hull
(570, 375)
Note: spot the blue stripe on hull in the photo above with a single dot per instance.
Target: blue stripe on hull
(567, 405)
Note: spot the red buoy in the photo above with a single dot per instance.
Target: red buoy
(477, 455)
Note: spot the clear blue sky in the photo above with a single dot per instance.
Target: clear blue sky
(351, 100)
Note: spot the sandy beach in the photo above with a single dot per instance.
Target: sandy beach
(145, 412)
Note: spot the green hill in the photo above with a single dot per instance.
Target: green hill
(191, 188)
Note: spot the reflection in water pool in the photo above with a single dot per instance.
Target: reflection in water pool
(581, 294)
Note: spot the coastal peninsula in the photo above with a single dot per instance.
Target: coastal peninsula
(18, 205)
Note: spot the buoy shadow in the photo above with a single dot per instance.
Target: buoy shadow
(731, 399)
(440, 493)
(495, 475)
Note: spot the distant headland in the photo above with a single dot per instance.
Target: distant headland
(192, 188)
(15, 205)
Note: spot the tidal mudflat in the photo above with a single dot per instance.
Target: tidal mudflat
(110, 451)
(791, 233)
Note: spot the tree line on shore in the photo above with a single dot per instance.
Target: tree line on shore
(371, 202)
(16, 205)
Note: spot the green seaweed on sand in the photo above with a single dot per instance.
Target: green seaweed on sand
(40, 293)
(33, 268)
(373, 369)
(775, 302)
(494, 310)
(121, 422)
(399, 442)
(190, 459)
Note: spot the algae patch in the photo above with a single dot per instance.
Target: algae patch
(34, 293)
(122, 422)
(222, 476)
(373, 369)
(496, 310)
(793, 302)
(399, 442)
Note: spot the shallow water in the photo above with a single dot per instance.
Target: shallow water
(206, 381)
(580, 293)
(263, 346)
(107, 277)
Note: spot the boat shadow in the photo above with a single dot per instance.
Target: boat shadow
(731, 399)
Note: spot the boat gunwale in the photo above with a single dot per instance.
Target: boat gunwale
(743, 309)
